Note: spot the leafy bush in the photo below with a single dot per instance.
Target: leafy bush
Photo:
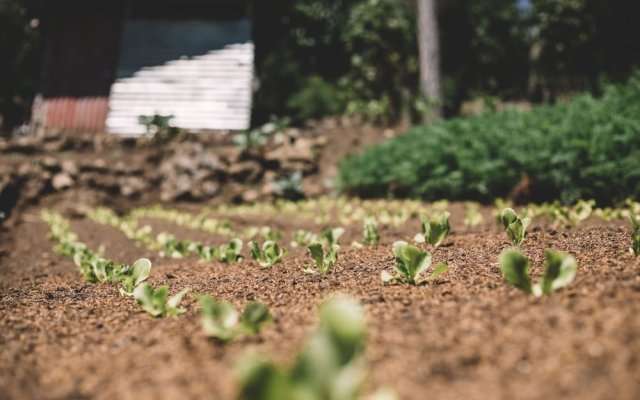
(585, 148)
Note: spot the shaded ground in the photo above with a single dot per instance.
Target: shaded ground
(469, 335)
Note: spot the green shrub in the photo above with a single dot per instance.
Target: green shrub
(585, 148)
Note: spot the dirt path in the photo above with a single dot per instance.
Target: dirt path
(469, 335)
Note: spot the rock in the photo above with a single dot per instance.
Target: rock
(246, 171)
(175, 188)
(132, 186)
(184, 164)
(61, 181)
(210, 188)
(250, 196)
(98, 165)
(70, 167)
(50, 163)
(24, 145)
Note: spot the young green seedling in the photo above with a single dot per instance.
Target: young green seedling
(330, 366)
(330, 237)
(324, 261)
(270, 234)
(434, 230)
(303, 238)
(172, 247)
(206, 253)
(635, 234)
(516, 227)
(371, 235)
(472, 216)
(411, 262)
(560, 270)
(155, 301)
(134, 275)
(221, 321)
(270, 253)
(231, 252)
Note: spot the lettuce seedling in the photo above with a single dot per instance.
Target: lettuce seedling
(303, 238)
(411, 262)
(134, 275)
(329, 237)
(516, 227)
(324, 261)
(331, 365)
(371, 235)
(172, 247)
(472, 216)
(573, 215)
(635, 234)
(270, 253)
(270, 234)
(560, 270)
(231, 252)
(434, 230)
(206, 253)
(222, 322)
(156, 302)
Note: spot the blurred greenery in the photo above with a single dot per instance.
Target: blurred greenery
(583, 149)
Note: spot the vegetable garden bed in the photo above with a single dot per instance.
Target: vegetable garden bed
(466, 333)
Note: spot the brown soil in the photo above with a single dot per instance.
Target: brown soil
(469, 335)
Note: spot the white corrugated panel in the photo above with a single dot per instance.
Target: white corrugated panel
(199, 71)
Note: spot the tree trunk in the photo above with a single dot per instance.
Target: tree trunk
(429, 56)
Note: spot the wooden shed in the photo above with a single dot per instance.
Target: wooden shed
(106, 63)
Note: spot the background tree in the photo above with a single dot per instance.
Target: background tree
(18, 64)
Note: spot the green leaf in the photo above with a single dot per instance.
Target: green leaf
(411, 261)
(508, 217)
(437, 229)
(172, 308)
(331, 236)
(371, 236)
(515, 269)
(317, 254)
(151, 300)
(219, 319)
(255, 250)
(260, 379)
(140, 270)
(560, 271)
(255, 317)
(440, 269)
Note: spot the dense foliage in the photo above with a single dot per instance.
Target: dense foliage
(18, 66)
(327, 57)
(585, 148)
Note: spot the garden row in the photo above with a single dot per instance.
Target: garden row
(336, 348)
(342, 322)
(585, 148)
